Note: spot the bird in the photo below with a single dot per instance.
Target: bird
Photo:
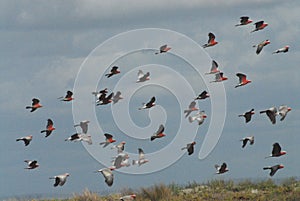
(192, 107)
(114, 70)
(120, 147)
(68, 97)
(246, 139)
(60, 179)
(163, 49)
(276, 151)
(80, 137)
(141, 159)
(282, 50)
(148, 105)
(189, 147)
(117, 97)
(100, 95)
(242, 80)
(159, 133)
(49, 128)
(244, 20)
(31, 164)
(274, 168)
(247, 115)
(204, 94)
(143, 77)
(271, 113)
(108, 175)
(221, 169)
(200, 117)
(35, 105)
(211, 41)
(283, 110)
(128, 197)
(214, 68)
(83, 125)
(109, 139)
(219, 77)
(26, 139)
(261, 45)
(105, 99)
(259, 26)
(121, 160)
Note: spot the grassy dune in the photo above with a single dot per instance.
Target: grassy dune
(288, 189)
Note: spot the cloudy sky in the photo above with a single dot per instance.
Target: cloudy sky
(49, 47)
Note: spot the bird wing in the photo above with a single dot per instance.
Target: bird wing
(141, 154)
(49, 123)
(108, 136)
(84, 127)
(190, 148)
(35, 101)
(151, 101)
(276, 149)
(214, 66)
(223, 167)
(244, 19)
(271, 116)
(114, 69)
(218, 76)
(258, 24)
(259, 48)
(140, 74)
(192, 105)
(211, 37)
(242, 77)
(162, 48)
(57, 180)
(160, 129)
(69, 94)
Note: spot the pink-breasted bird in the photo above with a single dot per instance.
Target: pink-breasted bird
(259, 26)
(128, 197)
(247, 115)
(31, 164)
(148, 105)
(242, 80)
(77, 137)
(159, 133)
(221, 169)
(219, 77)
(204, 94)
(249, 139)
(163, 49)
(214, 68)
(276, 151)
(114, 70)
(244, 20)
(68, 97)
(282, 50)
(49, 128)
(273, 169)
(261, 45)
(109, 139)
(189, 147)
(283, 110)
(104, 100)
(60, 179)
(35, 105)
(26, 139)
(211, 41)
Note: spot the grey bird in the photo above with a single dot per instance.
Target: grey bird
(60, 179)
(273, 169)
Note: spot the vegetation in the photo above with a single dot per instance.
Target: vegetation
(288, 189)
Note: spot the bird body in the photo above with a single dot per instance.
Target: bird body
(159, 133)
(68, 97)
(190, 148)
(276, 151)
(80, 137)
(282, 50)
(214, 68)
(117, 97)
(120, 147)
(109, 139)
(31, 164)
(83, 125)
(221, 169)
(163, 49)
(283, 110)
(128, 197)
(60, 179)
(35, 105)
(211, 41)
(200, 117)
(114, 70)
(148, 105)
(273, 169)
(143, 77)
(219, 77)
(104, 100)
(141, 160)
(108, 175)
(259, 26)
(244, 20)
(202, 96)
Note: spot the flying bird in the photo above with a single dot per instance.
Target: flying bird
(122, 160)
(148, 105)
(214, 68)
(109, 139)
(211, 41)
(247, 139)
(259, 26)
(128, 197)
(143, 77)
(68, 97)
(202, 96)
(100, 95)
(159, 133)
(221, 169)
(200, 117)
(60, 179)
(108, 175)
(31, 164)
(83, 125)
(141, 159)
(282, 50)
(105, 100)
(26, 139)
(273, 169)
(190, 148)
(242, 80)
(114, 70)
(244, 20)
(247, 115)
(283, 110)
(49, 128)
(276, 151)
(163, 49)
(219, 77)
(271, 113)
(261, 45)
(35, 105)
(80, 137)
(192, 107)
(120, 147)
(117, 97)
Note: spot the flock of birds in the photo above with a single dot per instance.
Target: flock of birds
(122, 158)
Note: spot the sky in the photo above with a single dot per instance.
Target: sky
(49, 47)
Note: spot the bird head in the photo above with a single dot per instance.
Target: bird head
(30, 136)
(250, 21)
(281, 166)
(267, 42)
(133, 196)
(67, 174)
(287, 47)
(123, 142)
(193, 143)
(289, 109)
(282, 152)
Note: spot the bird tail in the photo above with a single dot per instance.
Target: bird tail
(183, 148)
(266, 168)
(51, 177)
(28, 107)
(60, 97)
(241, 115)
(268, 156)
(237, 25)
(204, 46)
(152, 138)
(43, 131)
(262, 112)
(156, 52)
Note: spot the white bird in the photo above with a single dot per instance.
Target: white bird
(83, 125)
(60, 179)
(200, 117)
(121, 160)
(31, 164)
(283, 110)
(219, 77)
(141, 159)
(80, 137)
(246, 139)
(120, 147)
(128, 197)
(214, 68)
(143, 77)
(108, 175)
(117, 97)
(192, 107)
(221, 169)
(26, 139)
(282, 50)
(271, 113)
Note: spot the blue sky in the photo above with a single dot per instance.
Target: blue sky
(46, 43)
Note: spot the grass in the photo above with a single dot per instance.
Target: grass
(288, 189)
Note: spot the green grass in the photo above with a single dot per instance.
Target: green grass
(288, 189)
